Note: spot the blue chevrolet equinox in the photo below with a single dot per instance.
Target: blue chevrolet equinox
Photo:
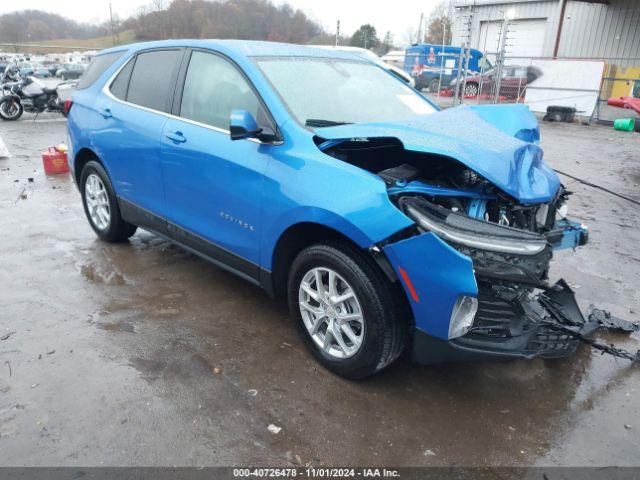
(389, 225)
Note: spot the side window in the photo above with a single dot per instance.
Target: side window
(212, 88)
(151, 83)
(97, 67)
(121, 82)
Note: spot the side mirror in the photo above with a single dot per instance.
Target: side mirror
(243, 125)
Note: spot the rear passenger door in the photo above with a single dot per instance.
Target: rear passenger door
(214, 185)
(131, 117)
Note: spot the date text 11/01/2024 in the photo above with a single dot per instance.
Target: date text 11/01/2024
(315, 472)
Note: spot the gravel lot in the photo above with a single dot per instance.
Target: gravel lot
(142, 354)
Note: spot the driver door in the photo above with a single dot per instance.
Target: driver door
(213, 185)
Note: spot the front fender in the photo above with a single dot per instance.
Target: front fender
(433, 275)
(10, 96)
(304, 185)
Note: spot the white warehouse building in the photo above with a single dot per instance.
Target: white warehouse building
(598, 29)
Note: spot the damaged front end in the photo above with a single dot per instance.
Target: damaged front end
(511, 312)
(488, 214)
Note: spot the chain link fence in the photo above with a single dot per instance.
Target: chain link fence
(453, 76)
(498, 70)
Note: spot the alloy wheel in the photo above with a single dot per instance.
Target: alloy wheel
(471, 90)
(331, 312)
(97, 202)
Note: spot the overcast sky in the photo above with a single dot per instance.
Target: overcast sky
(396, 16)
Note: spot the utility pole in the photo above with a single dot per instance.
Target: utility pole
(501, 55)
(556, 47)
(113, 33)
(419, 36)
(337, 32)
(444, 44)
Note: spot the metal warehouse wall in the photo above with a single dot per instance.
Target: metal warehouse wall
(602, 31)
(590, 30)
(543, 9)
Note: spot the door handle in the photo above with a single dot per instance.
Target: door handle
(106, 113)
(177, 137)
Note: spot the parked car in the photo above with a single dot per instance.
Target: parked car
(433, 66)
(70, 70)
(372, 57)
(513, 83)
(26, 69)
(40, 71)
(387, 224)
(53, 68)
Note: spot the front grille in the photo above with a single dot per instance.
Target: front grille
(502, 324)
(549, 341)
(495, 317)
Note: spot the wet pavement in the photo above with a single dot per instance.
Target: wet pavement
(142, 354)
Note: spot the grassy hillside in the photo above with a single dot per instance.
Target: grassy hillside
(71, 44)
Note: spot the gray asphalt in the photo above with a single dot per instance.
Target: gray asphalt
(142, 354)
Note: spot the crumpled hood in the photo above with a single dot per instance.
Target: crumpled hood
(481, 137)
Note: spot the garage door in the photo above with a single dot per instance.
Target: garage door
(489, 39)
(525, 38)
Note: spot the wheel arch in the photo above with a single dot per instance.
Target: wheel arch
(302, 235)
(84, 156)
(291, 242)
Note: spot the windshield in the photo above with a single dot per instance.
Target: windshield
(324, 91)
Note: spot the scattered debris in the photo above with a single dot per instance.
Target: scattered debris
(627, 426)
(274, 429)
(51, 352)
(23, 195)
(217, 370)
(6, 336)
(429, 453)
(8, 365)
(293, 458)
(253, 392)
(30, 179)
(35, 385)
(611, 322)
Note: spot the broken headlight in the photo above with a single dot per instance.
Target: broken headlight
(470, 232)
(462, 315)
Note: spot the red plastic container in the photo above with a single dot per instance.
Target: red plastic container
(55, 161)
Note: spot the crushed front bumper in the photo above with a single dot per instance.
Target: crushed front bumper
(517, 315)
(546, 323)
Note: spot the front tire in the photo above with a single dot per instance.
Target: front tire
(471, 90)
(101, 205)
(346, 310)
(433, 85)
(11, 109)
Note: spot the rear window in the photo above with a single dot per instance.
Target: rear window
(152, 79)
(97, 67)
(121, 82)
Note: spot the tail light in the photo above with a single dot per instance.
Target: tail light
(66, 107)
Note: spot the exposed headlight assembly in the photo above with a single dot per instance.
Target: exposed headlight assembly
(458, 228)
(462, 316)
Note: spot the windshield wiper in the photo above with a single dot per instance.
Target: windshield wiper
(317, 122)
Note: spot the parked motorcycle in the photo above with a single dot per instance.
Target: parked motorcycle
(28, 95)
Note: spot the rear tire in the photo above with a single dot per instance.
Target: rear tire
(433, 85)
(101, 205)
(362, 349)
